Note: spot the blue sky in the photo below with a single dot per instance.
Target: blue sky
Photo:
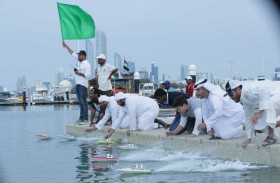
(169, 33)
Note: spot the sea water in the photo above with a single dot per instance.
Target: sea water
(26, 158)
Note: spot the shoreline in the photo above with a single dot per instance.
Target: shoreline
(225, 149)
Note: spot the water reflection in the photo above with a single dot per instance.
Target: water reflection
(57, 107)
(13, 108)
(61, 107)
(88, 168)
(84, 162)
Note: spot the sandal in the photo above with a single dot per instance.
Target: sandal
(269, 141)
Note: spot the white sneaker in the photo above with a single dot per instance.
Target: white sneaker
(78, 121)
(84, 122)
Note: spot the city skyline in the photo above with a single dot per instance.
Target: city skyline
(233, 36)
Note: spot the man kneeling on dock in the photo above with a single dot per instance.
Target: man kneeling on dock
(112, 110)
(165, 99)
(191, 117)
(222, 117)
(94, 94)
(141, 112)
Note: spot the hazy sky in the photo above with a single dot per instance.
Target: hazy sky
(169, 33)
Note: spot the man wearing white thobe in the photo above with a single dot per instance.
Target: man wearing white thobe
(112, 110)
(261, 102)
(222, 117)
(140, 112)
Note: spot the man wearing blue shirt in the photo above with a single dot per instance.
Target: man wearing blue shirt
(167, 86)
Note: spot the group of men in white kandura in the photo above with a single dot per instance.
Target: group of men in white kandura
(258, 103)
(133, 112)
(222, 113)
(222, 116)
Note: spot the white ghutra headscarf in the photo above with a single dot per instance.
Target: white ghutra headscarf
(215, 89)
(120, 96)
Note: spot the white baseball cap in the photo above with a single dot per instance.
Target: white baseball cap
(189, 77)
(102, 56)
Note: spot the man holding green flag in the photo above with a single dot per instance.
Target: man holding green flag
(77, 24)
(83, 74)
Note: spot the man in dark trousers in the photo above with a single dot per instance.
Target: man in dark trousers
(82, 75)
(167, 98)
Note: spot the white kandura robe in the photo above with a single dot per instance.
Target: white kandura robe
(260, 95)
(222, 114)
(112, 110)
(139, 113)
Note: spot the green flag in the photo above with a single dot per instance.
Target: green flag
(75, 23)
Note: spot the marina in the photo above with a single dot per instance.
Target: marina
(140, 91)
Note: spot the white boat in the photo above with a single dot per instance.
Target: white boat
(148, 89)
(35, 97)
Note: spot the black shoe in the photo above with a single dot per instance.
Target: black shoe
(162, 123)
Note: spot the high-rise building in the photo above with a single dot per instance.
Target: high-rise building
(71, 79)
(21, 84)
(90, 54)
(31, 90)
(101, 43)
(144, 74)
(118, 62)
(1, 88)
(59, 77)
(156, 74)
(184, 72)
(152, 72)
(131, 68)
